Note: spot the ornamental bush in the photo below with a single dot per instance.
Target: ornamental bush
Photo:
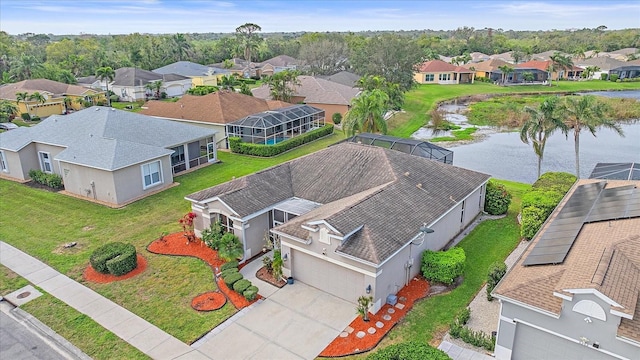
(213, 235)
(497, 199)
(545, 200)
(539, 202)
(495, 273)
(241, 285)
(250, 293)
(532, 219)
(229, 265)
(337, 118)
(232, 278)
(412, 350)
(613, 77)
(443, 266)
(556, 181)
(53, 181)
(237, 146)
(114, 258)
(227, 272)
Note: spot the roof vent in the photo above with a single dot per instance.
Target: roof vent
(419, 186)
(97, 109)
(113, 109)
(406, 174)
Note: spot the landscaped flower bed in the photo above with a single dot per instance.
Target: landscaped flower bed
(90, 274)
(350, 344)
(208, 301)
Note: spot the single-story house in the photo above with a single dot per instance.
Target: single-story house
(55, 94)
(344, 77)
(505, 56)
(440, 72)
(214, 110)
(200, 75)
(604, 63)
(348, 217)
(237, 66)
(489, 69)
(574, 292)
(129, 84)
(275, 65)
(327, 95)
(107, 155)
(540, 71)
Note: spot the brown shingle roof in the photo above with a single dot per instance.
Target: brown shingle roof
(441, 66)
(9, 91)
(605, 256)
(362, 186)
(488, 66)
(221, 107)
(316, 91)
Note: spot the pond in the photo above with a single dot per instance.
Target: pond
(504, 156)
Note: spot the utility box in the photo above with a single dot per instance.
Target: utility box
(392, 300)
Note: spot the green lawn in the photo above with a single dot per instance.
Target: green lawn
(421, 100)
(490, 241)
(136, 106)
(163, 293)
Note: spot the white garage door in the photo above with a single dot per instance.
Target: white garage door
(533, 344)
(334, 279)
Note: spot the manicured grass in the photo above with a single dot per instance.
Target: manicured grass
(490, 241)
(458, 135)
(78, 328)
(421, 100)
(136, 107)
(163, 293)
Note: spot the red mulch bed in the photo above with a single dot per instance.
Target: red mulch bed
(176, 244)
(90, 274)
(266, 276)
(208, 301)
(417, 289)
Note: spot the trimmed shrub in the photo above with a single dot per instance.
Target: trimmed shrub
(604, 76)
(25, 116)
(232, 278)
(556, 181)
(545, 200)
(532, 219)
(613, 77)
(229, 265)
(53, 181)
(443, 266)
(475, 338)
(227, 272)
(237, 146)
(337, 118)
(495, 273)
(241, 285)
(114, 258)
(497, 199)
(250, 293)
(411, 350)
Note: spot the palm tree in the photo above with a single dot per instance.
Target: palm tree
(67, 104)
(367, 113)
(157, 86)
(282, 84)
(36, 96)
(22, 97)
(248, 39)
(589, 71)
(8, 110)
(106, 74)
(585, 112)
(182, 46)
(228, 82)
(230, 247)
(506, 70)
(560, 62)
(24, 67)
(80, 101)
(542, 122)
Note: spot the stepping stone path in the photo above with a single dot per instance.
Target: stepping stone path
(386, 317)
(402, 299)
(349, 329)
(400, 306)
(371, 330)
(360, 334)
(391, 310)
(344, 334)
(380, 324)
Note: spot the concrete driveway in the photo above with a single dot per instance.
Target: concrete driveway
(296, 322)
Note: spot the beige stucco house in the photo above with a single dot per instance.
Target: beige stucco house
(106, 155)
(348, 217)
(440, 72)
(200, 75)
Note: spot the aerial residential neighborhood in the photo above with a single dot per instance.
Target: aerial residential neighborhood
(314, 180)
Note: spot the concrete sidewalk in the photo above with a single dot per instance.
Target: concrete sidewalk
(138, 332)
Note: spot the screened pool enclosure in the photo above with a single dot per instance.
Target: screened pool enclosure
(274, 126)
(410, 146)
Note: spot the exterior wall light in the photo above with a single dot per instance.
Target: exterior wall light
(368, 289)
(285, 257)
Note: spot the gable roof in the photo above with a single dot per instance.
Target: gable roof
(184, 68)
(604, 258)
(130, 76)
(8, 91)
(105, 138)
(343, 77)
(220, 107)
(316, 91)
(372, 189)
(440, 66)
(534, 64)
(491, 65)
(605, 63)
(279, 61)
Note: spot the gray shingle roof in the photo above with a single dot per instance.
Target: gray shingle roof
(360, 186)
(129, 76)
(106, 138)
(184, 68)
(316, 91)
(344, 77)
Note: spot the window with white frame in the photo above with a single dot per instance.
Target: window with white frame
(226, 222)
(444, 77)
(151, 174)
(428, 77)
(45, 162)
(3, 162)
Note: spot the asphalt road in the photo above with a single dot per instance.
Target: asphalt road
(21, 342)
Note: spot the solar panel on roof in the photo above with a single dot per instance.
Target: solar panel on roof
(616, 171)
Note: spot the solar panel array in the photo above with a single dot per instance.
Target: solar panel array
(616, 203)
(616, 171)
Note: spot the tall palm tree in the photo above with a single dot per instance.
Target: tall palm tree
(24, 67)
(542, 122)
(22, 97)
(228, 82)
(182, 46)
(106, 74)
(8, 110)
(585, 112)
(506, 70)
(157, 86)
(37, 97)
(589, 71)
(248, 39)
(367, 113)
(560, 62)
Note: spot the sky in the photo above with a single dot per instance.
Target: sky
(201, 16)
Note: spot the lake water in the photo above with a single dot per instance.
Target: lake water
(504, 156)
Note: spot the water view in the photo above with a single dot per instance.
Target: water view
(504, 156)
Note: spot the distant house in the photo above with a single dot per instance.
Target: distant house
(575, 291)
(275, 65)
(214, 110)
(440, 72)
(506, 57)
(320, 93)
(54, 94)
(540, 71)
(605, 65)
(489, 69)
(200, 75)
(237, 67)
(130, 84)
(348, 217)
(477, 57)
(106, 155)
(343, 77)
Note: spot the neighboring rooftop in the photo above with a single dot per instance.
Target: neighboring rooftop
(408, 146)
(491, 65)
(271, 118)
(616, 171)
(441, 66)
(185, 68)
(316, 91)
(57, 89)
(129, 76)
(365, 182)
(279, 61)
(344, 78)
(605, 63)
